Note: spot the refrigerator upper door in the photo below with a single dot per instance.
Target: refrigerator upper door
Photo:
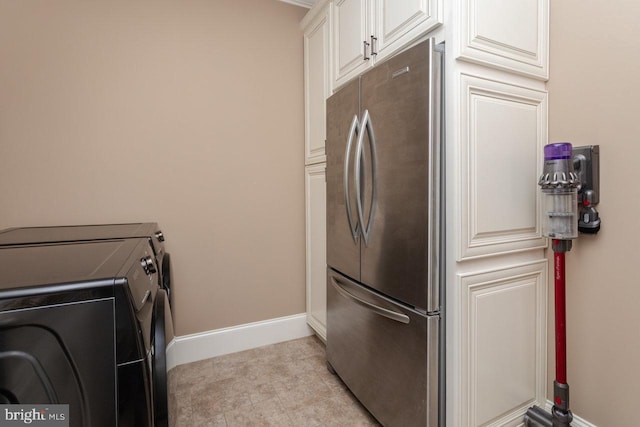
(343, 229)
(400, 100)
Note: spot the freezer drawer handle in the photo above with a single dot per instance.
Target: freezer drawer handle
(368, 125)
(354, 130)
(398, 317)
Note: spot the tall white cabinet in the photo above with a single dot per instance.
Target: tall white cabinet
(496, 65)
(318, 87)
(496, 264)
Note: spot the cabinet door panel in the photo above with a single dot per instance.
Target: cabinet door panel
(503, 341)
(398, 23)
(504, 34)
(316, 51)
(351, 29)
(316, 263)
(503, 124)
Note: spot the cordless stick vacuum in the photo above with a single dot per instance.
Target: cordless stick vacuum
(559, 185)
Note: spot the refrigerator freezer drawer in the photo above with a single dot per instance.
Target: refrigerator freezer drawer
(385, 353)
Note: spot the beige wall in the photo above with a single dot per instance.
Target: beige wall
(185, 112)
(593, 93)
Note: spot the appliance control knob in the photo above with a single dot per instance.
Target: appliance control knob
(147, 264)
(160, 236)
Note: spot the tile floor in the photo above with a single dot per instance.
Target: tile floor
(285, 384)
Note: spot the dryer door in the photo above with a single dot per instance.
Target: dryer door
(162, 335)
(61, 354)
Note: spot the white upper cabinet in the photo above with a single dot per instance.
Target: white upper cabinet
(400, 22)
(317, 86)
(506, 34)
(351, 39)
(366, 31)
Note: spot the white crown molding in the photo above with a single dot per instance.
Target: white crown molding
(303, 3)
(204, 345)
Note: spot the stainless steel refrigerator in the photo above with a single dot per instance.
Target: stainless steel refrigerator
(384, 238)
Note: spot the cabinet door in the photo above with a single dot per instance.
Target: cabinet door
(398, 23)
(502, 338)
(316, 86)
(513, 36)
(316, 265)
(351, 29)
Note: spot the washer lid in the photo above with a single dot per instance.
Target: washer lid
(44, 265)
(74, 233)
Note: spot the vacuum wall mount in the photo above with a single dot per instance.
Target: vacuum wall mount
(586, 162)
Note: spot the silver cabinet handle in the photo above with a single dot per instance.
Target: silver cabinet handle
(390, 314)
(373, 46)
(366, 58)
(366, 123)
(355, 129)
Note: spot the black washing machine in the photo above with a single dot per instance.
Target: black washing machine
(85, 324)
(76, 233)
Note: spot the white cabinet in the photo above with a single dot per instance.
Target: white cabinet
(400, 22)
(503, 343)
(366, 31)
(317, 80)
(497, 273)
(317, 88)
(504, 131)
(516, 39)
(351, 39)
(316, 268)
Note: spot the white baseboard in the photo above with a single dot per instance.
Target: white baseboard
(577, 421)
(204, 345)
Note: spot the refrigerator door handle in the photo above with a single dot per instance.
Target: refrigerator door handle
(434, 226)
(390, 314)
(368, 125)
(354, 130)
